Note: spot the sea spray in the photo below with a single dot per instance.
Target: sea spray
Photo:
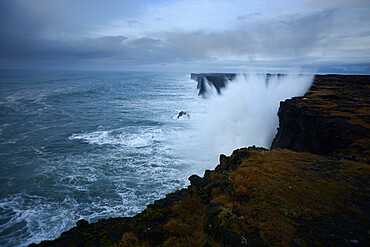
(245, 112)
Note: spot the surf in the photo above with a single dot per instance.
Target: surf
(244, 112)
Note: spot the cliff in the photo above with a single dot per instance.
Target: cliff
(315, 194)
(332, 119)
(217, 80)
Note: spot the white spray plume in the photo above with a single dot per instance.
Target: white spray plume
(245, 113)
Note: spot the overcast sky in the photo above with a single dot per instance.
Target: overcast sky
(188, 35)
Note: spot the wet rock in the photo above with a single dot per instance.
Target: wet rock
(182, 114)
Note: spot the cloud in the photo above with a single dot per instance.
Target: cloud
(62, 18)
(115, 49)
(247, 16)
(286, 36)
(353, 4)
(171, 33)
(132, 22)
(16, 21)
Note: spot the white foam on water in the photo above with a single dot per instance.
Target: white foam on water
(91, 187)
(24, 221)
(127, 171)
(118, 137)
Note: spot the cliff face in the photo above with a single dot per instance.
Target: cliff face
(259, 197)
(332, 119)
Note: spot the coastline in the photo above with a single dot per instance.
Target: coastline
(308, 190)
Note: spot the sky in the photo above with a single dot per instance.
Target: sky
(329, 36)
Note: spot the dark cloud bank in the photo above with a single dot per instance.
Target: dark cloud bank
(285, 41)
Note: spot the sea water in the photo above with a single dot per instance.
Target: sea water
(91, 145)
(88, 145)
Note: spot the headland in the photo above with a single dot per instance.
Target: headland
(310, 189)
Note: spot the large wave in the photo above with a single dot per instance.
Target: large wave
(245, 112)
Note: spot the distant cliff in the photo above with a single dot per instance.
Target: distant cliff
(318, 196)
(217, 80)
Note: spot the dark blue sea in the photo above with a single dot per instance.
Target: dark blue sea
(89, 145)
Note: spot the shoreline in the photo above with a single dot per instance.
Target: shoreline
(223, 208)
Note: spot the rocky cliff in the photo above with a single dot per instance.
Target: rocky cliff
(318, 196)
(217, 80)
(332, 119)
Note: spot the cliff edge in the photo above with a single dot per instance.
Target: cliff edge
(331, 119)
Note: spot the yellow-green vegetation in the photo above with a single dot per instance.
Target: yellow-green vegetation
(347, 98)
(279, 198)
(288, 189)
(188, 228)
(129, 239)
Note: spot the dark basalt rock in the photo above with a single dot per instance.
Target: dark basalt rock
(183, 114)
(197, 181)
(332, 119)
(217, 80)
(302, 130)
(82, 223)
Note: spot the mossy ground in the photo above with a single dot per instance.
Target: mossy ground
(286, 190)
(347, 98)
(273, 198)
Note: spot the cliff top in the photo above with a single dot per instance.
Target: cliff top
(341, 96)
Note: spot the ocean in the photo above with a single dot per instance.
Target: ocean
(91, 145)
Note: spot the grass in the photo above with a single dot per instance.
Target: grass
(285, 188)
